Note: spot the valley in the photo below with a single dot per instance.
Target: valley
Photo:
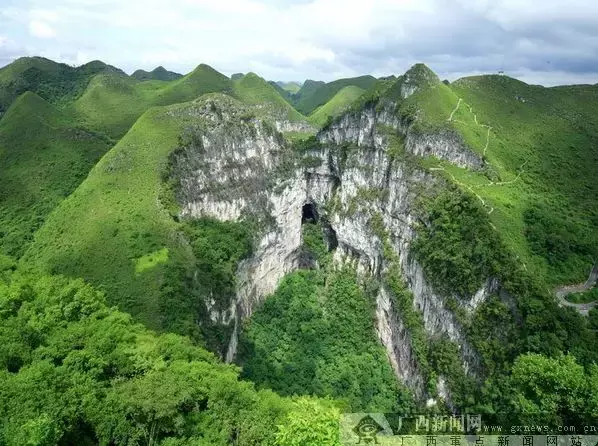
(194, 259)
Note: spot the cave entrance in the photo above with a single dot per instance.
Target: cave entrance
(309, 214)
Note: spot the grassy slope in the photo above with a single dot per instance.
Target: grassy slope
(309, 99)
(53, 81)
(112, 104)
(252, 89)
(542, 151)
(115, 219)
(552, 139)
(44, 157)
(336, 106)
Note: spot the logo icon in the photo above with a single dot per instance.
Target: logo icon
(367, 430)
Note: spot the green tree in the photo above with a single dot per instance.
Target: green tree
(310, 423)
(73, 371)
(555, 387)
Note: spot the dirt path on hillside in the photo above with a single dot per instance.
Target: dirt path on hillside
(562, 292)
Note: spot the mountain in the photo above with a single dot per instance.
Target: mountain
(408, 247)
(53, 81)
(56, 146)
(308, 88)
(291, 87)
(112, 104)
(314, 94)
(157, 74)
(252, 89)
(44, 156)
(122, 234)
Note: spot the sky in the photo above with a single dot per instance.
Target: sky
(549, 42)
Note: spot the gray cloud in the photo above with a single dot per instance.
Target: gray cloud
(552, 42)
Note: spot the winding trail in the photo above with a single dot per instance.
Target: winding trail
(466, 186)
(475, 119)
(488, 128)
(450, 118)
(562, 292)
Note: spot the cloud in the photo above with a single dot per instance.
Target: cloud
(320, 39)
(40, 29)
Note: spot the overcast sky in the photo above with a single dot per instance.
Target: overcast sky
(548, 42)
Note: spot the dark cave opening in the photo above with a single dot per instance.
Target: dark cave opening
(309, 213)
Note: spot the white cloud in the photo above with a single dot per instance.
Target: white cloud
(295, 39)
(40, 29)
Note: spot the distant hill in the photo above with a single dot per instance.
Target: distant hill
(291, 87)
(308, 88)
(252, 89)
(237, 76)
(113, 103)
(157, 74)
(286, 95)
(314, 94)
(55, 82)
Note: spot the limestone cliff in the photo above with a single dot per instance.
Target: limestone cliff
(362, 165)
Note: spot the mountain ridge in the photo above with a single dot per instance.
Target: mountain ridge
(159, 73)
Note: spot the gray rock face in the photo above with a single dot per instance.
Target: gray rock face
(360, 128)
(395, 338)
(239, 169)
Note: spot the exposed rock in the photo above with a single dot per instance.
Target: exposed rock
(236, 170)
(361, 128)
(397, 341)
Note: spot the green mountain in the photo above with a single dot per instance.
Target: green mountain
(339, 103)
(308, 88)
(314, 94)
(291, 87)
(112, 103)
(252, 89)
(539, 149)
(118, 223)
(53, 81)
(415, 255)
(44, 156)
(57, 147)
(126, 240)
(157, 74)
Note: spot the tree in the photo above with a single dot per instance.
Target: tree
(557, 388)
(310, 423)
